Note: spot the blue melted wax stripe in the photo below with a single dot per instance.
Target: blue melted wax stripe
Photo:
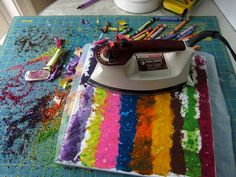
(128, 121)
(77, 127)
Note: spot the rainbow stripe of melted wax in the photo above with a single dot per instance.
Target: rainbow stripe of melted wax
(156, 134)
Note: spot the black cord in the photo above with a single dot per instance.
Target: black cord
(214, 34)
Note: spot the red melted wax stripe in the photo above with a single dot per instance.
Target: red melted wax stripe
(206, 152)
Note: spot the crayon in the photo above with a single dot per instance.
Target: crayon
(159, 31)
(170, 36)
(153, 31)
(106, 27)
(139, 34)
(113, 29)
(192, 27)
(170, 18)
(186, 38)
(196, 47)
(187, 32)
(179, 26)
(149, 22)
(160, 37)
(86, 4)
(125, 31)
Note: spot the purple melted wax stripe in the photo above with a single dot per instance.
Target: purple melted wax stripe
(77, 127)
(92, 64)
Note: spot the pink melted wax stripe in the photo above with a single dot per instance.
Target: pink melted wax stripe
(107, 150)
(206, 152)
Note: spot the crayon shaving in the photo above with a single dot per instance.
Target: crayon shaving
(37, 122)
(71, 67)
(84, 21)
(38, 59)
(14, 90)
(122, 25)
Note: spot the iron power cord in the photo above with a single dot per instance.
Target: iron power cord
(214, 34)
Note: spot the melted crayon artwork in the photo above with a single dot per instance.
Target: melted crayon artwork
(164, 134)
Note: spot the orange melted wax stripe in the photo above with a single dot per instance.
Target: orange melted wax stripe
(153, 139)
(141, 161)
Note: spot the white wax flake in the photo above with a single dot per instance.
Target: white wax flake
(184, 101)
(194, 75)
(175, 175)
(170, 174)
(196, 96)
(188, 136)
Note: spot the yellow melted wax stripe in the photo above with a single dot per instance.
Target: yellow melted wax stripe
(88, 152)
(162, 132)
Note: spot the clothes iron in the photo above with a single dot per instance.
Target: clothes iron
(146, 65)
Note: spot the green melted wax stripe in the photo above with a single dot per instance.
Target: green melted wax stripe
(191, 143)
(192, 160)
(87, 155)
(190, 122)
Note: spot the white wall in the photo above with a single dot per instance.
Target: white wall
(5, 20)
(11, 8)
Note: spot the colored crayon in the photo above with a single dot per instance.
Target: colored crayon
(187, 37)
(159, 31)
(170, 36)
(187, 32)
(86, 4)
(170, 18)
(160, 37)
(153, 31)
(141, 33)
(192, 27)
(149, 22)
(179, 26)
(125, 31)
(141, 36)
(196, 47)
(113, 29)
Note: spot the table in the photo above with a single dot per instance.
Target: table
(47, 89)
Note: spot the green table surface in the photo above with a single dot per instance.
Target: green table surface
(29, 119)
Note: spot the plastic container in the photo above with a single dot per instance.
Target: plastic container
(138, 6)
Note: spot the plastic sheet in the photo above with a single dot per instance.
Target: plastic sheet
(224, 156)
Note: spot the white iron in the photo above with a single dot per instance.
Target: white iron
(142, 66)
